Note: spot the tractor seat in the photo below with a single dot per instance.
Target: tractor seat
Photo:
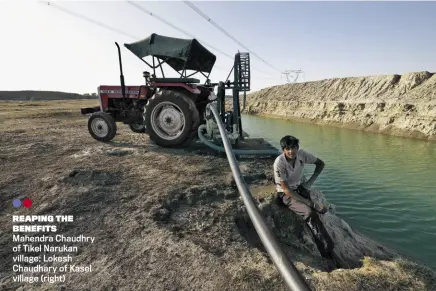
(175, 80)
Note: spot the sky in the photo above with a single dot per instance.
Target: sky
(43, 48)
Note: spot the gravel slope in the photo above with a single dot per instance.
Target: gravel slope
(401, 105)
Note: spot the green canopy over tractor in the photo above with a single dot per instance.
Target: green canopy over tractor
(180, 54)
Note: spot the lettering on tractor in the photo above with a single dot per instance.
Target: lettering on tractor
(170, 110)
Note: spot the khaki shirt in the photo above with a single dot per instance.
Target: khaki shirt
(283, 170)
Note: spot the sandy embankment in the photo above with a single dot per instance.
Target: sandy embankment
(164, 219)
(401, 105)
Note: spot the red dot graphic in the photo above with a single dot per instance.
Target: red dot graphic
(27, 203)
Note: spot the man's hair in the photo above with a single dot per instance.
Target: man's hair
(289, 141)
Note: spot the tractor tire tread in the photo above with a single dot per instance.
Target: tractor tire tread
(195, 122)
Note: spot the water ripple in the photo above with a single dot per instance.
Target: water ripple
(381, 185)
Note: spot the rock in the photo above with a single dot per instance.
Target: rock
(117, 152)
(159, 213)
(350, 246)
(229, 180)
(73, 173)
(229, 194)
(244, 168)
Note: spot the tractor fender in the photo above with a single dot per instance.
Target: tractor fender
(192, 89)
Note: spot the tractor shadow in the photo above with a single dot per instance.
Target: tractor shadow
(197, 147)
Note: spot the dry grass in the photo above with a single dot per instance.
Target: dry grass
(400, 275)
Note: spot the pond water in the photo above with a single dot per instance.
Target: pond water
(383, 186)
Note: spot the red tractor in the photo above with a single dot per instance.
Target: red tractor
(170, 110)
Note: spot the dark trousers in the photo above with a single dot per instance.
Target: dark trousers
(322, 238)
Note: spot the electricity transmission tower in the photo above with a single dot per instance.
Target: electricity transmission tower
(292, 75)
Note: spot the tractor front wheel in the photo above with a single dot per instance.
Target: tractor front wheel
(171, 118)
(102, 126)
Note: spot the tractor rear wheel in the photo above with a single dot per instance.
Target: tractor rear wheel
(137, 127)
(102, 126)
(171, 118)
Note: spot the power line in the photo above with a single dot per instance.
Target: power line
(175, 27)
(90, 20)
(181, 30)
(100, 24)
(226, 33)
(118, 30)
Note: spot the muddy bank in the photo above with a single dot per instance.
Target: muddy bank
(401, 105)
(166, 219)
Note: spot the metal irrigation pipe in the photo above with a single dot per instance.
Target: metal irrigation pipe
(293, 279)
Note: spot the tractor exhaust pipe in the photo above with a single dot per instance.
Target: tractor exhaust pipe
(123, 86)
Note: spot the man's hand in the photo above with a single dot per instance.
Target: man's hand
(295, 196)
(320, 209)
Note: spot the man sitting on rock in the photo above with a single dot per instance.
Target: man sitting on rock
(288, 173)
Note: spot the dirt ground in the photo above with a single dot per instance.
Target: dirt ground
(163, 219)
